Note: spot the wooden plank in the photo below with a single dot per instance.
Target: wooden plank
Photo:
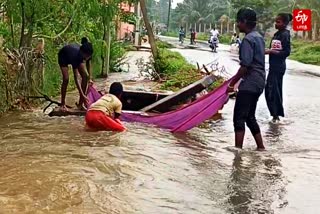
(131, 100)
(182, 95)
(56, 112)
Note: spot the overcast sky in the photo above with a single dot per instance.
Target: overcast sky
(175, 3)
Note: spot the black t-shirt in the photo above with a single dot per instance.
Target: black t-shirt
(71, 55)
(281, 43)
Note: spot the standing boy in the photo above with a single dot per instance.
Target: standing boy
(253, 75)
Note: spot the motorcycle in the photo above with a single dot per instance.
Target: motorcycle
(213, 41)
(181, 38)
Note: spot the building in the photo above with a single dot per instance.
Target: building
(125, 30)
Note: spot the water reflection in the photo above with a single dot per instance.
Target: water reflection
(256, 183)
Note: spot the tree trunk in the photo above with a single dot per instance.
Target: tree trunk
(108, 37)
(23, 22)
(169, 13)
(228, 27)
(316, 27)
(310, 35)
(29, 35)
(102, 51)
(149, 29)
(12, 32)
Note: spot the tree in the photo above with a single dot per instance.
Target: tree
(314, 5)
(163, 9)
(55, 23)
(149, 29)
(199, 11)
(153, 10)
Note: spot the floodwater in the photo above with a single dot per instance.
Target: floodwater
(51, 165)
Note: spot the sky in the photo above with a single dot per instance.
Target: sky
(175, 3)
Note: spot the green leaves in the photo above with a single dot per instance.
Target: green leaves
(199, 11)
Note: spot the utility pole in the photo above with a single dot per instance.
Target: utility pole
(137, 26)
(169, 12)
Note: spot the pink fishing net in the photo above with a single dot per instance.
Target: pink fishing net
(182, 119)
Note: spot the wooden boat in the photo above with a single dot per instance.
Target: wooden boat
(151, 102)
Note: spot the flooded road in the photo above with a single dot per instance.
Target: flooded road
(51, 165)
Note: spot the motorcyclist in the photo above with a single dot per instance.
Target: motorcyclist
(214, 34)
(214, 39)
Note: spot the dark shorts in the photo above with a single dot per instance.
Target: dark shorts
(62, 59)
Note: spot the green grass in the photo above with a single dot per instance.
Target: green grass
(163, 44)
(305, 51)
(170, 34)
(176, 70)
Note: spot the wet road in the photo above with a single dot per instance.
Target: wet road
(50, 165)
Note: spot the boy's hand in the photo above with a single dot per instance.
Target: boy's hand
(85, 100)
(230, 89)
(270, 51)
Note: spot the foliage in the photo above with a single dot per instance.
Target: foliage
(158, 10)
(170, 34)
(172, 68)
(306, 52)
(163, 44)
(59, 23)
(170, 62)
(198, 11)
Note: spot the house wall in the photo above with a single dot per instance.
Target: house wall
(125, 28)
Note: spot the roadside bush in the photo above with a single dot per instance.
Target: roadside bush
(305, 52)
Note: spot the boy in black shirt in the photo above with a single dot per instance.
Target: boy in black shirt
(252, 73)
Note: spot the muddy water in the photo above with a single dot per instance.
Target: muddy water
(51, 165)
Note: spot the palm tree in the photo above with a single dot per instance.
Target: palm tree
(200, 11)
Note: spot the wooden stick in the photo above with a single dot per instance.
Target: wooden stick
(198, 66)
(205, 68)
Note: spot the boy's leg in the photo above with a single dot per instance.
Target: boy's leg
(64, 85)
(84, 82)
(241, 112)
(252, 122)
